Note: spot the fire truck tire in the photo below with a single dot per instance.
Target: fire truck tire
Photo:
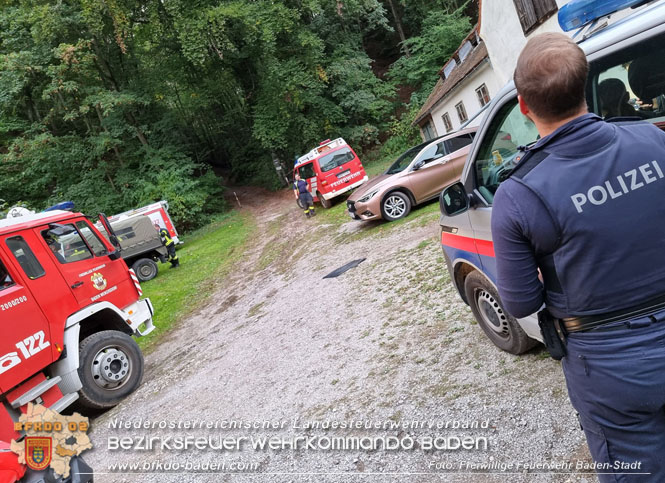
(499, 326)
(324, 202)
(110, 368)
(145, 269)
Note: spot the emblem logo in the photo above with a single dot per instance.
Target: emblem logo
(98, 281)
(37, 452)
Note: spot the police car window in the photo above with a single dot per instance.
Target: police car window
(94, 242)
(496, 156)
(25, 258)
(67, 248)
(306, 171)
(337, 158)
(5, 279)
(630, 83)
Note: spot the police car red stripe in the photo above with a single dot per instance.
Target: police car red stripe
(136, 281)
(473, 245)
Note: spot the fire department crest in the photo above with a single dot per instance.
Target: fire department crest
(98, 281)
(37, 452)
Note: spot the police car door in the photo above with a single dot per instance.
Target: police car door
(493, 157)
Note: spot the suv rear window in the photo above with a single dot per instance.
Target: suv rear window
(338, 158)
(630, 82)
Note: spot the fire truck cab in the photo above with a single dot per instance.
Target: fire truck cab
(626, 53)
(68, 308)
(332, 168)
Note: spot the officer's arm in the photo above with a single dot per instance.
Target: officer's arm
(517, 271)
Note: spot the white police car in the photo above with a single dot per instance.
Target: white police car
(626, 78)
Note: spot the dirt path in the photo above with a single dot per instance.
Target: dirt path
(389, 342)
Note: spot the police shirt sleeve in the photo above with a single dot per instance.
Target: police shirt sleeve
(517, 271)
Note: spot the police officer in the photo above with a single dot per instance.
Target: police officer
(301, 190)
(168, 242)
(585, 208)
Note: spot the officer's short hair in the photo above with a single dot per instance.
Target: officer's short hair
(550, 76)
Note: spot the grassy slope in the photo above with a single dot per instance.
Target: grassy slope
(207, 256)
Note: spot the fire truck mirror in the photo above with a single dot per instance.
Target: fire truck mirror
(114, 255)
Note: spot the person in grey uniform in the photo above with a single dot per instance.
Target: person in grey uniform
(584, 207)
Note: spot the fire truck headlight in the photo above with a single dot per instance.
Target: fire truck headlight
(368, 197)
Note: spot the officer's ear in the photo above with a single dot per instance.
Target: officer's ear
(524, 109)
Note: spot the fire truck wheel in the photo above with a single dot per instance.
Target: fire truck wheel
(324, 202)
(145, 269)
(110, 368)
(501, 328)
(396, 205)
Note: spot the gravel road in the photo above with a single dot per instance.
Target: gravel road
(389, 345)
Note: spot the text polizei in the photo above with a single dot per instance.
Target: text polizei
(623, 184)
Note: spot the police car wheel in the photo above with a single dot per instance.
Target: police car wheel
(110, 368)
(145, 269)
(324, 202)
(395, 205)
(499, 326)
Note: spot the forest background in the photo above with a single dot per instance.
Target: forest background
(114, 104)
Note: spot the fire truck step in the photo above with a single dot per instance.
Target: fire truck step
(35, 392)
(64, 401)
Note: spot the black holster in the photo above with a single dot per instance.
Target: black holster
(553, 334)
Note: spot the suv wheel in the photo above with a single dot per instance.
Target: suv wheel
(395, 206)
(501, 328)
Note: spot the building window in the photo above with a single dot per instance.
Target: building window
(483, 95)
(446, 122)
(461, 112)
(534, 12)
(428, 131)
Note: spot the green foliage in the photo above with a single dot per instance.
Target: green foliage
(117, 103)
(440, 36)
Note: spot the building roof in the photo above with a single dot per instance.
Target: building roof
(443, 87)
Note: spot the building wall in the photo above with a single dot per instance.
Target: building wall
(501, 30)
(465, 91)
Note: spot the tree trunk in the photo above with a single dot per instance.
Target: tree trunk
(398, 25)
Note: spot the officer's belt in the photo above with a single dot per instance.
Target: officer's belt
(590, 322)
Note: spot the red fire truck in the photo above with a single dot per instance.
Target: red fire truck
(332, 168)
(68, 307)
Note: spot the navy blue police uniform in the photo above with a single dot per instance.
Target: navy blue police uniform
(304, 196)
(586, 206)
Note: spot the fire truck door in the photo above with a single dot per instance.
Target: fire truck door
(83, 260)
(25, 345)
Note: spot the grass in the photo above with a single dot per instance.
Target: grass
(207, 255)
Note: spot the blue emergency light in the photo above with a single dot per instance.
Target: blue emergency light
(578, 13)
(65, 205)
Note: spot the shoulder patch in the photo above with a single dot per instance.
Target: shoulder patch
(529, 161)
